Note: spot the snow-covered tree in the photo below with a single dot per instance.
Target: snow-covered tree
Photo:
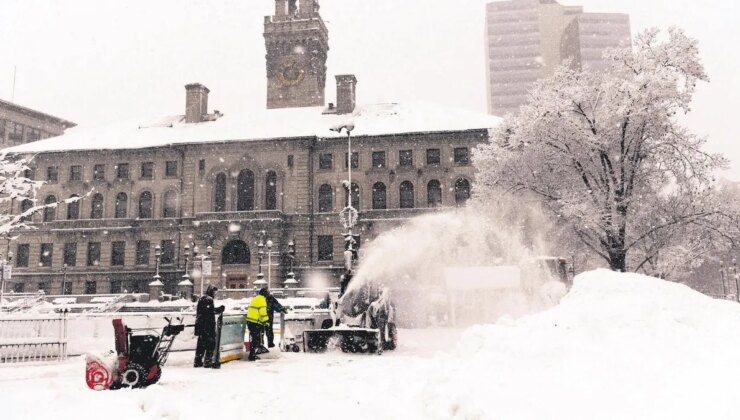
(605, 154)
(14, 188)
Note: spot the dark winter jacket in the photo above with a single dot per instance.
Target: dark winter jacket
(273, 305)
(205, 316)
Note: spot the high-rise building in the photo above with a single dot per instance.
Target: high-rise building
(527, 40)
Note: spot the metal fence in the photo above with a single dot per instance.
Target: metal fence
(36, 339)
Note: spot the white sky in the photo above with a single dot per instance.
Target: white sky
(99, 61)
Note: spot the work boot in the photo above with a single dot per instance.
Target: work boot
(197, 364)
(253, 358)
(271, 345)
(262, 349)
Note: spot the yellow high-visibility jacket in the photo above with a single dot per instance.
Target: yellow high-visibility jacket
(257, 311)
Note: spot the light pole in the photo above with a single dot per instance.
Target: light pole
(64, 279)
(203, 257)
(348, 216)
(3, 263)
(291, 280)
(158, 255)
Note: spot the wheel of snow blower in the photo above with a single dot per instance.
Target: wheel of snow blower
(295, 348)
(133, 376)
(155, 378)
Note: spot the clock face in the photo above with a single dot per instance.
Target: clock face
(290, 73)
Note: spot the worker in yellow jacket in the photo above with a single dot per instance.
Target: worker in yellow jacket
(257, 320)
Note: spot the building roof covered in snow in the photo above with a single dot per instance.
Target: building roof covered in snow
(369, 120)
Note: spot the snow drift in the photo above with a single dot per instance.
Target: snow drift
(619, 346)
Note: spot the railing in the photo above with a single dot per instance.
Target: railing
(30, 340)
(226, 216)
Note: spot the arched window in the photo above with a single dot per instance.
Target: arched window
(271, 191)
(355, 197)
(25, 206)
(145, 205)
(434, 193)
(407, 195)
(171, 203)
(325, 198)
(50, 212)
(462, 191)
(245, 191)
(121, 206)
(219, 193)
(379, 196)
(96, 210)
(73, 208)
(235, 252)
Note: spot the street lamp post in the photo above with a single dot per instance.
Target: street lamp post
(203, 257)
(64, 279)
(158, 255)
(348, 216)
(3, 263)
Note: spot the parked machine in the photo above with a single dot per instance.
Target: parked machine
(363, 322)
(138, 359)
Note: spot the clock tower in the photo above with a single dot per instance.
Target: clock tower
(297, 44)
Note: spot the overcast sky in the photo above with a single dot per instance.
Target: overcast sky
(99, 61)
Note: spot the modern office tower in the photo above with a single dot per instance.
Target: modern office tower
(527, 40)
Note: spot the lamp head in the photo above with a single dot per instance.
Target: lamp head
(209, 250)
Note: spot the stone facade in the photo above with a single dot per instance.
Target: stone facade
(20, 125)
(193, 181)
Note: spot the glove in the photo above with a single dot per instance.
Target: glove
(285, 310)
(220, 309)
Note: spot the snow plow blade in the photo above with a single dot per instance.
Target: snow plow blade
(349, 340)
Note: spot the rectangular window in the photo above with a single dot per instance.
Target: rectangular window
(99, 172)
(115, 286)
(2, 130)
(30, 173)
(70, 254)
(355, 160)
(142, 253)
(168, 252)
(93, 253)
(118, 253)
(147, 170)
(326, 248)
(52, 174)
(462, 156)
(433, 157)
(326, 161)
(201, 166)
(47, 253)
(15, 132)
(22, 255)
(170, 168)
(378, 159)
(122, 171)
(75, 173)
(290, 161)
(19, 288)
(33, 134)
(405, 158)
(91, 288)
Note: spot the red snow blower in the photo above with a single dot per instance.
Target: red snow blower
(138, 359)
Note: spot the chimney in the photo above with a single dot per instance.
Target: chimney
(346, 93)
(196, 102)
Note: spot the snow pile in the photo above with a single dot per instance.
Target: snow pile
(619, 346)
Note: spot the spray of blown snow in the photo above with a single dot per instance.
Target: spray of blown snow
(423, 260)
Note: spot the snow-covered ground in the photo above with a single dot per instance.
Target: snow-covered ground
(619, 346)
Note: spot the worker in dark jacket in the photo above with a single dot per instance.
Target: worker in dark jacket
(257, 320)
(205, 328)
(272, 306)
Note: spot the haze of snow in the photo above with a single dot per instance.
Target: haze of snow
(618, 346)
(415, 255)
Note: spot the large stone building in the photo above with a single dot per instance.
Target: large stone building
(19, 125)
(527, 40)
(233, 181)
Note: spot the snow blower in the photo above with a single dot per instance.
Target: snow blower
(138, 359)
(361, 324)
